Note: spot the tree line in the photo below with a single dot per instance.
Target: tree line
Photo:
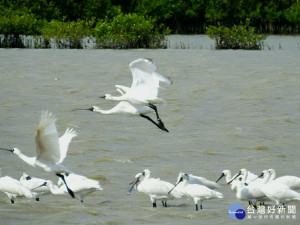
(181, 16)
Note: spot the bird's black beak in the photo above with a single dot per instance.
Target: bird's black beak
(44, 184)
(132, 186)
(102, 96)
(89, 109)
(175, 185)
(234, 178)
(222, 175)
(5, 149)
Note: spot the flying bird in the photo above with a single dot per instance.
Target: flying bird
(50, 150)
(144, 89)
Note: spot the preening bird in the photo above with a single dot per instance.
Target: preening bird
(196, 191)
(50, 150)
(144, 89)
(155, 188)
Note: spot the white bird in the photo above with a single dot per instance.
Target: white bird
(250, 191)
(80, 185)
(144, 89)
(155, 188)
(279, 192)
(50, 150)
(292, 182)
(13, 188)
(124, 107)
(34, 184)
(198, 192)
(200, 180)
(234, 183)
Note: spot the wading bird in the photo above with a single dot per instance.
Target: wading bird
(34, 184)
(292, 182)
(200, 180)
(50, 150)
(155, 188)
(278, 191)
(144, 89)
(196, 191)
(80, 185)
(250, 191)
(234, 183)
(14, 188)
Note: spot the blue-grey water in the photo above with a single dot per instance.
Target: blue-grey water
(225, 110)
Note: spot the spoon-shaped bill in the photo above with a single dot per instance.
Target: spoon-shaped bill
(229, 182)
(132, 186)
(5, 149)
(222, 175)
(174, 186)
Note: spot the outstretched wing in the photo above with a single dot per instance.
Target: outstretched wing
(143, 72)
(64, 142)
(46, 139)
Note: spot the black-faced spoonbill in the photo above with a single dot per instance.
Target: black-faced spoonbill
(155, 188)
(250, 191)
(127, 108)
(79, 184)
(234, 183)
(144, 89)
(196, 191)
(13, 188)
(50, 150)
(278, 192)
(35, 184)
(200, 180)
(292, 182)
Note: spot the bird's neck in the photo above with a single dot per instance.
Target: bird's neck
(115, 98)
(29, 160)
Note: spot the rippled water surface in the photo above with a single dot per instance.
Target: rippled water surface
(225, 110)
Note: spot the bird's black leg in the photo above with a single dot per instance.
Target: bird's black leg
(201, 206)
(12, 201)
(37, 199)
(154, 204)
(196, 207)
(69, 190)
(160, 126)
(155, 109)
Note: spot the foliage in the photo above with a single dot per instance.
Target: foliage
(128, 31)
(293, 13)
(236, 37)
(67, 34)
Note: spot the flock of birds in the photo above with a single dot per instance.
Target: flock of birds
(248, 187)
(139, 99)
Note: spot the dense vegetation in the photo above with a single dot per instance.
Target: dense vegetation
(59, 19)
(236, 37)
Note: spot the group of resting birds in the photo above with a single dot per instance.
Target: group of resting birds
(248, 187)
(139, 99)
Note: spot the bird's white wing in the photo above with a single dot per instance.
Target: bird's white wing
(46, 139)
(122, 89)
(64, 142)
(143, 72)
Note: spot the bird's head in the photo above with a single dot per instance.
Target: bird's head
(106, 96)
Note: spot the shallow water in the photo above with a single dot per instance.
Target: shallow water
(225, 110)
